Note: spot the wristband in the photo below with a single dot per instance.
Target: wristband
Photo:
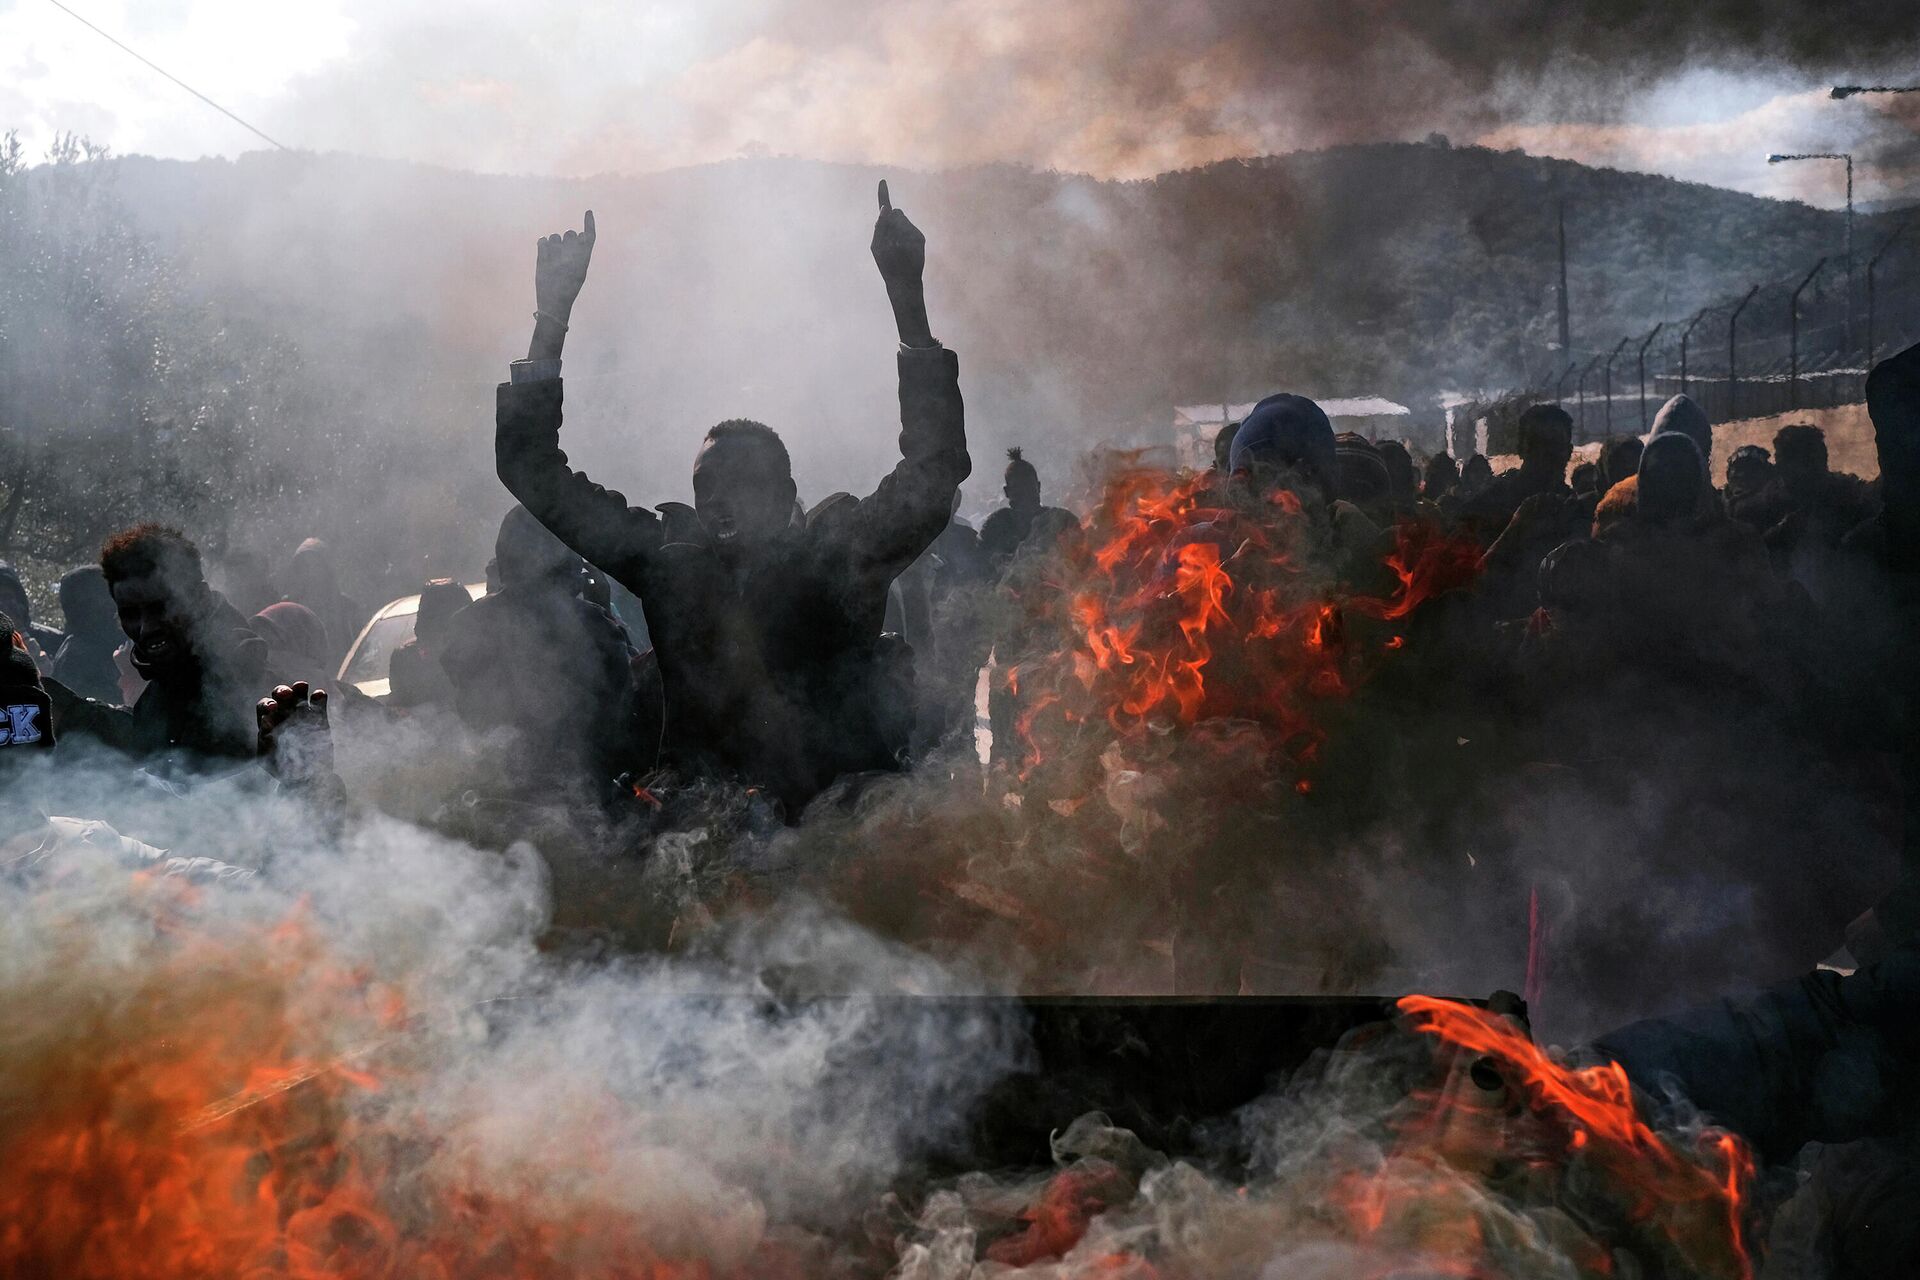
(541, 315)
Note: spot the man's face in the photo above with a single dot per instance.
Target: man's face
(741, 492)
(1023, 490)
(1747, 474)
(1551, 449)
(158, 616)
(1801, 474)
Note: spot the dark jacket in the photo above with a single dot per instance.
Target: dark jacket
(770, 667)
(1007, 531)
(84, 663)
(1826, 1057)
(554, 672)
(1488, 512)
(189, 717)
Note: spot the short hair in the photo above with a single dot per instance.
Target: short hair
(748, 429)
(1799, 442)
(150, 548)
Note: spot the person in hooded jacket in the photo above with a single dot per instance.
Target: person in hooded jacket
(205, 667)
(26, 717)
(1697, 595)
(415, 676)
(84, 662)
(768, 636)
(42, 642)
(296, 645)
(312, 580)
(544, 669)
(1680, 415)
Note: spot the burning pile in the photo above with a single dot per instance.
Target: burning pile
(1510, 1165)
(207, 1080)
(1170, 686)
(1179, 606)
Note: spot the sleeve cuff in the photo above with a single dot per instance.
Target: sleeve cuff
(533, 371)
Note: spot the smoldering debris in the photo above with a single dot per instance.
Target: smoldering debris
(358, 1063)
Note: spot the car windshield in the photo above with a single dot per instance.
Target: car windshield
(370, 659)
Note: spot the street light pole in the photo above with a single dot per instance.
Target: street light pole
(1778, 158)
(1685, 334)
(1566, 330)
(1733, 354)
(1793, 338)
(1643, 371)
(1610, 359)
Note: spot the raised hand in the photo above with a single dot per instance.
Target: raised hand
(295, 740)
(560, 268)
(900, 251)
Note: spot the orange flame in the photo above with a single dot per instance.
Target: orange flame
(1697, 1198)
(1181, 609)
(181, 1131)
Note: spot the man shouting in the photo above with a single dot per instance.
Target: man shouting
(767, 630)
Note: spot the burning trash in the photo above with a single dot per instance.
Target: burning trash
(204, 1079)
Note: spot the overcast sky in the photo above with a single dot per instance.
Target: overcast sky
(1112, 87)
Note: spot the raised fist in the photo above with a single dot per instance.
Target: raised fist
(560, 268)
(899, 250)
(295, 740)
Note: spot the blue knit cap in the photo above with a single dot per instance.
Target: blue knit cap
(1286, 430)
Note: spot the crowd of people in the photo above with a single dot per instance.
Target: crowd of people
(1747, 641)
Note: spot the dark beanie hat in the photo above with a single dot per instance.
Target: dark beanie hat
(1363, 472)
(1288, 431)
(26, 717)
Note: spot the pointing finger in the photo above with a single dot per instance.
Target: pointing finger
(885, 202)
(589, 231)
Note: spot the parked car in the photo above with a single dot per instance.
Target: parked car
(365, 666)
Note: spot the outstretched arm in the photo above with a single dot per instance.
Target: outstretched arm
(596, 523)
(913, 504)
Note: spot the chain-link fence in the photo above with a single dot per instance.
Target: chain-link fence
(1803, 341)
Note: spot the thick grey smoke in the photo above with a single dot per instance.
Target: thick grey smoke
(1113, 87)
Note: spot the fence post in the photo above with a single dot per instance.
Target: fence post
(1685, 334)
(1733, 356)
(1610, 359)
(1643, 372)
(1793, 336)
(1561, 380)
